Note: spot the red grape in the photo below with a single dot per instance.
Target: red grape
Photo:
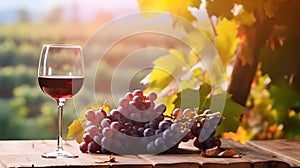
(93, 147)
(87, 138)
(83, 146)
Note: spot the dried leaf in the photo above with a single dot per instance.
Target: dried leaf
(228, 153)
(218, 153)
(111, 159)
(212, 152)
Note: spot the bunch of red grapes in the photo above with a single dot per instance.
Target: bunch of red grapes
(139, 126)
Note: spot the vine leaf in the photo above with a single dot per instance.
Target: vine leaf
(270, 8)
(285, 98)
(76, 131)
(170, 71)
(246, 18)
(220, 8)
(166, 68)
(227, 40)
(232, 111)
(180, 8)
(249, 6)
(171, 74)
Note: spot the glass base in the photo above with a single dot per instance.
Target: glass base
(59, 153)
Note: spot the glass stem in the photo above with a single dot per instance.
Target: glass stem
(60, 104)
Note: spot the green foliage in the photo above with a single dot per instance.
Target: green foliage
(171, 74)
(272, 108)
(180, 77)
(273, 104)
(26, 113)
(28, 100)
(287, 104)
(209, 100)
(285, 99)
(11, 77)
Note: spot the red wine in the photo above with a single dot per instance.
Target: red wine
(60, 86)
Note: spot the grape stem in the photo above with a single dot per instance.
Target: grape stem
(210, 115)
(169, 116)
(199, 116)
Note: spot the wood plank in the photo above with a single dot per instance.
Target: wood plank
(205, 162)
(287, 150)
(218, 162)
(125, 161)
(189, 156)
(256, 157)
(171, 160)
(28, 154)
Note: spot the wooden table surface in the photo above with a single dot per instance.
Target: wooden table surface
(255, 154)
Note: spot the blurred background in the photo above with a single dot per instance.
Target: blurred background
(258, 42)
(25, 112)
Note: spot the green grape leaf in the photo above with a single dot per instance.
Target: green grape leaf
(188, 98)
(227, 40)
(173, 72)
(285, 98)
(194, 41)
(292, 125)
(194, 97)
(166, 68)
(204, 93)
(232, 111)
(220, 8)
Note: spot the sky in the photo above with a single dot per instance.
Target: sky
(48, 4)
(86, 7)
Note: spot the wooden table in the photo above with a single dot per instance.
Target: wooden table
(255, 154)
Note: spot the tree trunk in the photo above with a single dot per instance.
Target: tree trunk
(241, 79)
(244, 72)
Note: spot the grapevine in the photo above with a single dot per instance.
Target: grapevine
(138, 125)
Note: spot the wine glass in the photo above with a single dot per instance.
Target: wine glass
(60, 76)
